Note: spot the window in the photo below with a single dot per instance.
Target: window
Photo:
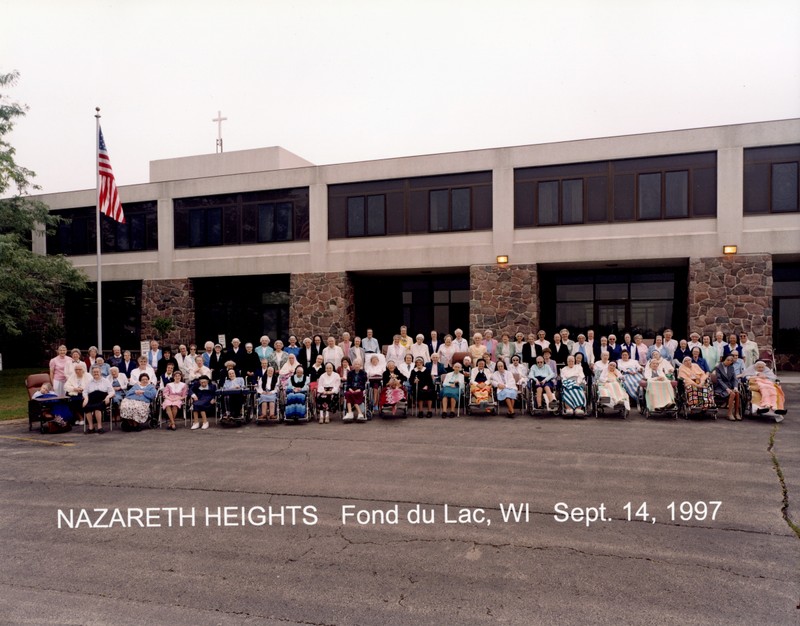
(651, 188)
(771, 179)
(78, 235)
(274, 222)
(366, 216)
(243, 218)
(449, 210)
(786, 305)
(430, 204)
(613, 301)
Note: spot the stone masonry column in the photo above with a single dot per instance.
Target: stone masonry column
(503, 298)
(732, 294)
(321, 303)
(172, 298)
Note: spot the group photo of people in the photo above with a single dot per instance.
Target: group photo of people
(353, 378)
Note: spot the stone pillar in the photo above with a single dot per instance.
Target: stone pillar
(172, 298)
(732, 294)
(505, 299)
(321, 303)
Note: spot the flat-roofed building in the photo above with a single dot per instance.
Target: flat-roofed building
(616, 234)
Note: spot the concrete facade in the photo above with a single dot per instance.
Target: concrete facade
(503, 298)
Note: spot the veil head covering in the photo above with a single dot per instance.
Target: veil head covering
(765, 371)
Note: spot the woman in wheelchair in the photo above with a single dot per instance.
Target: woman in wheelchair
(233, 392)
(480, 386)
(204, 394)
(772, 396)
(135, 408)
(355, 394)
(503, 381)
(659, 394)
(267, 390)
(96, 397)
(699, 394)
(609, 387)
(296, 395)
(328, 387)
(543, 380)
(572, 384)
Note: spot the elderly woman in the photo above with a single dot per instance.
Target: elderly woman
(709, 353)
(698, 391)
(264, 350)
(726, 387)
(135, 408)
(681, 352)
(355, 394)
(733, 346)
(74, 386)
(772, 396)
(91, 356)
(328, 387)
(659, 393)
(658, 346)
(639, 351)
(490, 345)
(396, 351)
(198, 370)
(518, 370)
(174, 397)
(143, 368)
(119, 382)
(559, 350)
(541, 341)
(476, 349)
(393, 380)
(292, 347)
(697, 358)
(452, 389)
(204, 397)
(288, 368)
(480, 383)
(505, 386)
(631, 373)
(609, 387)
(420, 349)
(376, 366)
(446, 352)
(407, 365)
(543, 382)
(97, 396)
(519, 343)
(296, 392)
(601, 366)
(279, 357)
(357, 352)
(422, 387)
(217, 362)
(58, 370)
(267, 390)
(233, 392)
(572, 392)
(504, 349)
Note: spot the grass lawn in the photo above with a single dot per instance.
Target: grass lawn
(13, 396)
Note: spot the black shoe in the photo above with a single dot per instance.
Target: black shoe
(430, 414)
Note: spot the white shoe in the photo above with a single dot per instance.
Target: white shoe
(196, 425)
(204, 426)
(361, 417)
(79, 423)
(579, 411)
(348, 417)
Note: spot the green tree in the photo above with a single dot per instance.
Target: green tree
(32, 285)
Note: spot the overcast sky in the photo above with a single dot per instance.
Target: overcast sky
(351, 80)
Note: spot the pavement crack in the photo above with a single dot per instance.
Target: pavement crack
(782, 480)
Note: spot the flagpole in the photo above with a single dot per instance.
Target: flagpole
(97, 217)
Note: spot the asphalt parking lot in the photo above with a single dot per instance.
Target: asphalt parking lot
(466, 567)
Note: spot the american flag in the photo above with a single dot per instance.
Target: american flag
(108, 198)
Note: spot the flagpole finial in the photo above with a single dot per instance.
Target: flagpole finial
(98, 112)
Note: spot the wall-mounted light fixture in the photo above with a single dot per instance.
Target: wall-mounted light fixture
(502, 259)
(729, 249)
